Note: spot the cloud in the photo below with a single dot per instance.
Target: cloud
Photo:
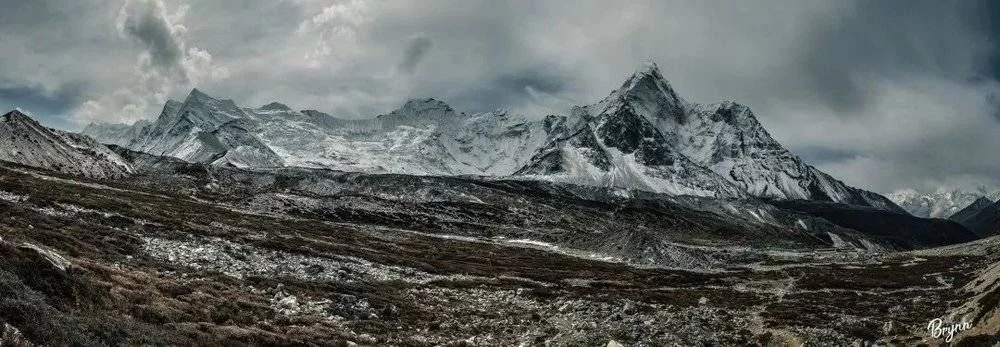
(147, 22)
(51, 106)
(165, 65)
(416, 48)
(336, 26)
(885, 94)
(352, 12)
(534, 90)
(162, 35)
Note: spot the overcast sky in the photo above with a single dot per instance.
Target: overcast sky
(882, 94)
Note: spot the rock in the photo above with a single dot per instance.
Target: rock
(54, 258)
(12, 337)
(893, 328)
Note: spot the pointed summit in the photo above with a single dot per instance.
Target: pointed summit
(648, 67)
(648, 94)
(15, 115)
(648, 78)
(197, 94)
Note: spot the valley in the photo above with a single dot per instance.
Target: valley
(641, 219)
(123, 263)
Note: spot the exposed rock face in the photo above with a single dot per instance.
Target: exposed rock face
(647, 120)
(982, 219)
(964, 215)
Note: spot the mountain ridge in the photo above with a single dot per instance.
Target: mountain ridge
(942, 203)
(969, 212)
(25, 141)
(642, 136)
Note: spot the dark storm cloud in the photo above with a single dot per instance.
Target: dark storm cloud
(39, 101)
(147, 23)
(914, 85)
(417, 47)
(51, 108)
(890, 39)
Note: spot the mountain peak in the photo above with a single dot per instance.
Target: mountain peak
(968, 215)
(982, 202)
(198, 95)
(16, 115)
(647, 75)
(195, 92)
(648, 67)
(275, 106)
(649, 94)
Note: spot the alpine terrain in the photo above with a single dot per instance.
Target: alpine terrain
(641, 219)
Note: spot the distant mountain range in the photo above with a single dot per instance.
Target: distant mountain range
(977, 210)
(642, 136)
(939, 204)
(667, 173)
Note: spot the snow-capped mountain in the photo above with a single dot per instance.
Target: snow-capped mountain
(642, 136)
(201, 129)
(615, 144)
(725, 138)
(24, 141)
(115, 134)
(939, 204)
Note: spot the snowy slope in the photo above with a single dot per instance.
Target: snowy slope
(402, 141)
(423, 137)
(939, 204)
(493, 143)
(618, 148)
(24, 141)
(727, 139)
(205, 130)
(114, 134)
